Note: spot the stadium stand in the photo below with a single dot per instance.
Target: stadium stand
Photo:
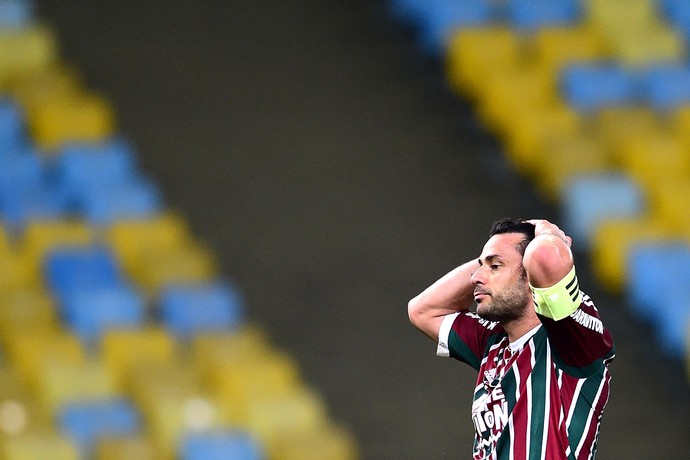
(118, 336)
(591, 100)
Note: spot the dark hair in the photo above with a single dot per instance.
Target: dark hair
(513, 225)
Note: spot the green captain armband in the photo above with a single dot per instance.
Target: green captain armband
(560, 300)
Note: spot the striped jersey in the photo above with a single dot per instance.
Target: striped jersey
(541, 397)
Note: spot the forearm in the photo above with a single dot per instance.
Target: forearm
(451, 293)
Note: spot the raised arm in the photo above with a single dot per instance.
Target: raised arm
(547, 258)
(451, 293)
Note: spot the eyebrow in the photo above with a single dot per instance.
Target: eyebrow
(489, 259)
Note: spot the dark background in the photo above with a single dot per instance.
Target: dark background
(335, 177)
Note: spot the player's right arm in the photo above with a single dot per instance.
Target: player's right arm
(450, 294)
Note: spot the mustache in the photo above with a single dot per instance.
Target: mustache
(478, 291)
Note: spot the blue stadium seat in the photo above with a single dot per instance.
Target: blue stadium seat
(677, 13)
(37, 202)
(655, 269)
(435, 20)
(673, 321)
(187, 309)
(85, 422)
(590, 87)
(92, 312)
(530, 15)
(104, 204)
(667, 87)
(12, 125)
(16, 14)
(81, 166)
(76, 268)
(221, 445)
(588, 199)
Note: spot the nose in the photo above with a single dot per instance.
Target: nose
(477, 277)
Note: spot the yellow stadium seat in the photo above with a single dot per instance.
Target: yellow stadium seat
(41, 236)
(238, 384)
(130, 239)
(529, 130)
(39, 446)
(275, 417)
(173, 400)
(56, 82)
(135, 448)
(19, 411)
(564, 157)
(31, 351)
(654, 158)
(226, 349)
(679, 122)
(554, 47)
(193, 263)
(475, 54)
(26, 50)
(613, 240)
(17, 272)
(26, 310)
(62, 382)
(613, 126)
(614, 15)
(669, 201)
(123, 350)
(328, 442)
(82, 118)
(517, 89)
(648, 46)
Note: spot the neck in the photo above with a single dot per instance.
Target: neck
(521, 326)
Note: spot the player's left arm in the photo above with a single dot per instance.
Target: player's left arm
(576, 331)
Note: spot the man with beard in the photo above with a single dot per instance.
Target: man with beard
(536, 339)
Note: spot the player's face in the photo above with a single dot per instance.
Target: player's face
(500, 284)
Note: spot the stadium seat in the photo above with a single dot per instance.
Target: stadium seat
(102, 204)
(126, 349)
(331, 442)
(85, 422)
(272, 417)
(26, 310)
(25, 50)
(654, 158)
(13, 134)
(590, 87)
(531, 129)
(214, 350)
(587, 200)
(666, 87)
(80, 166)
(16, 14)
(39, 202)
(187, 309)
(30, 351)
(20, 413)
(54, 82)
(41, 236)
(221, 445)
(654, 268)
(565, 157)
(531, 15)
(673, 321)
(613, 126)
(91, 312)
(81, 118)
(126, 447)
(33, 446)
(435, 20)
(677, 13)
(650, 46)
(476, 53)
(611, 244)
(63, 382)
(556, 47)
(668, 201)
(70, 269)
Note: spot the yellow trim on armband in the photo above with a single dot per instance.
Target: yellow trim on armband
(560, 300)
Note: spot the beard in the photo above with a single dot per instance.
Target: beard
(507, 305)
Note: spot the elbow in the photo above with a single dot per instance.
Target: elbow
(547, 263)
(415, 311)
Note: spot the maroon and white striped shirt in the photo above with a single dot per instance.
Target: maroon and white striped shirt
(541, 397)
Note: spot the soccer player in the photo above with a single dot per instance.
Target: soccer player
(536, 339)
